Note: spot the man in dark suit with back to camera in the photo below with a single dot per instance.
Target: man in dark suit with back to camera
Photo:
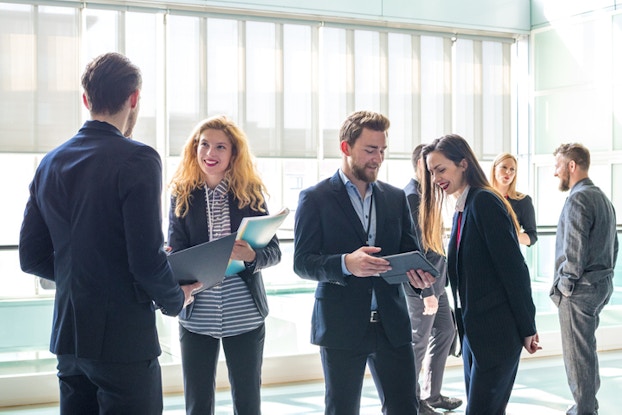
(342, 225)
(92, 225)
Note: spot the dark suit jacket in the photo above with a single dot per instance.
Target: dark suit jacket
(192, 230)
(93, 225)
(327, 226)
(489, 272)
(526, 215)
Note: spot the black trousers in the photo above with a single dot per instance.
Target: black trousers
(103, 388)
(392, 369)
(244, 357)
(488, 391)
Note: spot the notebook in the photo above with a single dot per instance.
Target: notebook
(205, 262)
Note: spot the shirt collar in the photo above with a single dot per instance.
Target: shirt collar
(462, 199)
(221, 188)
(347, 182)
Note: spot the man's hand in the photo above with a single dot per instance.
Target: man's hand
(361, 263)
(430, 305)
(420, 279)
(532, 343)
(189, 291)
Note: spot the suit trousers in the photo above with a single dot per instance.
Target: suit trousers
(91, 387)
(244, 357)
(392, 369)
(579, 316)
(488, 391)
(432, 336)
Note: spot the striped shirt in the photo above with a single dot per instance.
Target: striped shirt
(227, 309)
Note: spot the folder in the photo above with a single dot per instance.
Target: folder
(205, 262)
(401, 263)
(257, 231)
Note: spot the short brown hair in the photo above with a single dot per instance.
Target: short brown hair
(575, 152)
(353, 125)
(108, 81)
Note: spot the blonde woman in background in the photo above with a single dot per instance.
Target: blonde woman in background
(503, 179)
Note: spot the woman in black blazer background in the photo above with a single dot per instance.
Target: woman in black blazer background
(214, 187)
(489, 278)
(503, 179)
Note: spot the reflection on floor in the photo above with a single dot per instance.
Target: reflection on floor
(540, 389)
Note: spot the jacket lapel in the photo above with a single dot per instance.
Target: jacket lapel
(381, 205)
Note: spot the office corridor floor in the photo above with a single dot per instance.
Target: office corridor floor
(540, 389)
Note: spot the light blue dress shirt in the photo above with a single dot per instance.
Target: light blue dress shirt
(366, 212)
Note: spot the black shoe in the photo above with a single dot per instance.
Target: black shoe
(426, 409)
(444, 402)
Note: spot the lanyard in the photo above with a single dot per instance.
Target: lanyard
(210, 220)
(371, 205)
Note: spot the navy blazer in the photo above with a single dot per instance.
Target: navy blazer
(192, 230)
(93, 225)
(488, 271)
(327, 226)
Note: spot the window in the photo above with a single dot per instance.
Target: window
(223, 67)
(261, 87)
(299, 79)
(184, 67)
(288, 84)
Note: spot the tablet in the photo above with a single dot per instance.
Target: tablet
(401, 263)
(205, 262)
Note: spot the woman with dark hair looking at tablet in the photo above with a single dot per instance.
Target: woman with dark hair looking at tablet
(488, 275)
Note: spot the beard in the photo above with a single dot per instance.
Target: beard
(360, 173)
(131, 123)
(564, 183)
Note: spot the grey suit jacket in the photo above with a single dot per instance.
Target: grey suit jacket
(586, 248)
(413, 196)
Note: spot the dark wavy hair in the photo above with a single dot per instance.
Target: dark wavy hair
(456, 149)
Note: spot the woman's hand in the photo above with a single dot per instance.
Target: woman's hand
(242, 251)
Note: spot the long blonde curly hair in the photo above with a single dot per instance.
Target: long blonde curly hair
(241, 175)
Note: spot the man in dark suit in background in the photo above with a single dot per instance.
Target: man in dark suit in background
(92, 225)
(433, 327)
(342, 224)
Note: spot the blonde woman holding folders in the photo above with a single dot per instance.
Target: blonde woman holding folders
(503, 179)
(214, 187)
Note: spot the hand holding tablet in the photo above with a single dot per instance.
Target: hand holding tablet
(402, 263)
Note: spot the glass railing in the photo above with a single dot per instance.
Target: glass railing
(26, 309)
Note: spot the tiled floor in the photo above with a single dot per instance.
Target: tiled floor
(540, 389)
